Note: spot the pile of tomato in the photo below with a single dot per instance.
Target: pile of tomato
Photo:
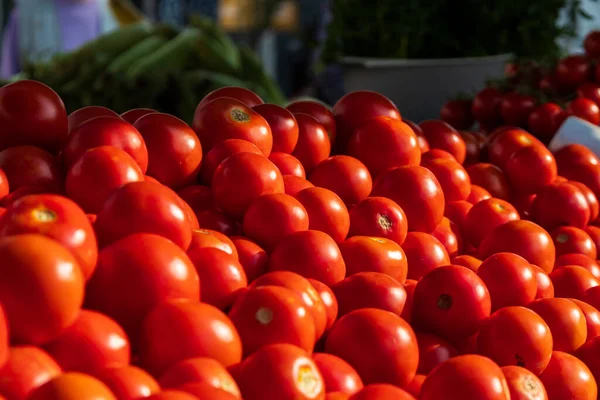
(270, 253)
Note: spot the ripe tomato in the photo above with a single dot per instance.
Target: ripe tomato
(516, 336)
(435, 154)
(568, 240)
(491, 178)
(449, 294)
(592, 318)
(168, 274)
(128, 382)
(473, 146)
(466, 377)
(585, 109)
(328, 299)
(423, 145)
(318, 111)
(198, 197)
(222, 151)
(486, 216)
(27, 368)
(73, 385)
(545, 288)
(453, 178)
(524, 238)
(287, 164)
(381, 391)
(136, 113)
(374, 254)
(425, 253)
(338, 375)
(228, 118)
(478, 194)
(284, 127)
(244, 95)
(591, 44)
(386, 350)
(566, 321)
(456, 211)
(294, 184)
(544, 121)
(345, 176)
(417, 191)
(32, 114)
(171, 395)
(272, 314)
(254, 259)
(467, 261)
(531, 168)
(84, 114)
(4, 338)
(442, 136)
(502, 146)
(414, 386)
(572, 281)
(312, 254)
(181, 329)
(591, 198)
(448, 233)
(567, 377)
(560, 204)
(589, 90)
(573, 154)
(242, 178)
(313, 144)
(326, 212)
(588, 353)
(588, 174)
(199, 370)
(433, 350)
(379, 217)
(457, 113)
(27, 166)
(580, 260)
(515, 108)
(410, 286)
(174, 150)
(384, 143)
(572, 71)
(105, 131)
(203, 238)
(486, 107)
(217, 221)
(523, 384)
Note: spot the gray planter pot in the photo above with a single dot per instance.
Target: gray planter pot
(419, 88)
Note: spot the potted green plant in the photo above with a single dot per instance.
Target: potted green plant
(422, 53)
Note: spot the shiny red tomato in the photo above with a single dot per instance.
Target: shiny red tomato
(374, 254)
(453, 178)
(588, 353)
(206, 238)
(198, 197)
(588, 174)
(544, 120)
(592, 318)
(569, 240)
(27, 166)
(457, 113)
(129, 382)
(254, 259)
(136, 113)
(591, 44)
(205, 390)
(287, 164)
(382, 391)
(448, 233)
(328, 299)
(318, 111)
(502, 146)
(410, 286)
(523, 384)
(585, 109)
(442, 136)
(379, 217)
(478, 194)
(578, 259)
(338, 375)
(560, 204)
(567, 377)
(171, 395)
(566, 321)
(423, 145)
(73, 385)
(573, 71)
(217, 221)
(573, 154)
(486, 107)
(591, 198)
(345, 176)
(531, 168)
(313, 144)
(572, 281)
(433, 350)
(467, 261)
(27, 368)
(414, 386)
(424, 253)
(220, 152)
(486, 216)
(284, 127)
(199, 370)
(435, 154)
(515, 108)
(84, 114)
(294, 184)
(326, 212)
(4, 337)
(491, 178)
(473, 144)
(456, 211)
(589, 90)
(244, 95)
(545, 288)
(227, 118)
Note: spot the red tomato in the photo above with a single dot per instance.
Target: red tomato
(589, 90)
(207, 391)
(580, 260)
(417, 191)
(379, 217)
(199, 370)
(500, 268)
(456, 211)
(506, 143)
(294, 184)
(326, 212)
(449, 294)
(467, 261)
(222, 151)
(244, 95)
(515, 108)
(414, 386)
(473, 146)
(545, 288)
(588, 353)
(572, 71)
(284, 127)
(384, 143)
(516, 336)
(568, 240)
(453, 178)
(288, 164)
(478, 194)
(424, 253)
(312, 254)
(448, 233)
(376, 290)
(592, 318)
(338, 375)
(136, 113)
(385, 351)
(433, 350)
(217, 221)
(523, 384)
(253, 258)
(591, 198)
(181, 329)
(129, 382)
(572, 281)
(457, 113)
(318, 111)
(491, 178)
(313, 144)
(27, 166)
(227, 118)
(591, 44)
(27, 368)
(544, 121)
(32, 114)
(567, 377)
(573, 154)
(280, 371)
(374, 254)
(73, 385)
(531, 168)
(560, 204)
(410, 286)
(486, 216)
(105, 131)
(566, 321)
(272, 314)
(4, 338)
(524, 238)
(345, 176)
(84, 114)
(168, 274)
(198, 197)
(171, 395)
(328, 299)
(423, 145)
(382, 391)
(206, 238)
(442, 136)
(435, 154)
(588, 174)
(585, 109)
(486, 107)
(242, 178)
(466, 377)
(4, 186)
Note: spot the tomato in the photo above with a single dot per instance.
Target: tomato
(284, 127)
(32, 114)
(578, 259)
(84, 114)
(591, 198)
(500, 268)
(433, 350)
(220, 152)
(181, 329)
(453, 178)
(328, 299)
(449, 294)
(294, 184)
(326, 212)
(448, 233)
(572, 281)
(206, 238)
(171, 395)
(425, 253)
(313, 144)
(410, 286)
(382, 391)
(417, 191)
(523, 384)
(27, 166)
(568, 240)
(355, 109)
(442, 136)
(588, 174)
(71, 386)
(128, 382)
(567, 377)
(491, 178)
(385, 351)
(280, 371)
(524, 238)
(373, 254)
(531, 168)
(272, 314)
(457, 113)
(566, 321)
(198, 197)
(473, 147)
(288, 164)
(423, 145)
(560, 204)
(486, 107)
(545, 288)
(591, 44)
(168, 274)
(585, 109)
(379, 217)
(515, 108)
(338, 375)
(543, 121)
(345, 176)
(242, 178)
(217, 221)
(105, 131)
(199, 370)
(486, 216)
(228, 118)
(384, 143)
(377, 290)
(318, 111)
(136, 113)
(312, 254)
(435, 154)
(478, 194)
(4, 338)
(254, 259)
(466, 377)
(456, 211)
(506, 143)
(589, 90)
(573, 71)
(573, 154)
(467, 261)
(414, 386)
(592, 318)
(27, 368)
(205, 390)
(244, 95)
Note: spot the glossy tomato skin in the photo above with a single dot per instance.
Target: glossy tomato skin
(442, 136)
(467, 261)
(435, 154)
(423, 145)
(572, 71)
(284, 127)
(560, 204)
(381, 346)
(73, 385)
(567, 377)
(345, 176)
(578, 259)
(313, 144)
(486, 216)
(382, 391)
(143, 207)
(338, 375)
(171, 395)
(168, 271)
(523, 384)
(244, 95)
(568, 240)
(326, 212)
(506, 142)
(27, 166)
(203, 238)
(198, 197)
(478, 194)
(199, 370)
(453, 178)
(379, 217)
(128, 382)
(491, 178)
(545, 287)
(220, 152)
(373, 254)
(585, 109)
(572, 281)
(136, 113)
(410, 286)
(515, 108)
(417, 191)
(531, 168)
(591, 198)
(287, 164)
(228, 118)
(27, 368)
(456, 211)
(449, 294)
(588, 353)
(105, 131)
(457, 113)
(424, 253)
(328, 299)
(486, 107)
(433, 350)
(466, 377)
(217, 221)
(566, 321)
(294, 184)
(32, 114)
(543, 121)
(254, 259)
(181, 329)
(84, 114)
(4, 337)
(592, 318)
(318, 111)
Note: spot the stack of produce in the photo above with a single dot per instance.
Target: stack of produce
(297, 253)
